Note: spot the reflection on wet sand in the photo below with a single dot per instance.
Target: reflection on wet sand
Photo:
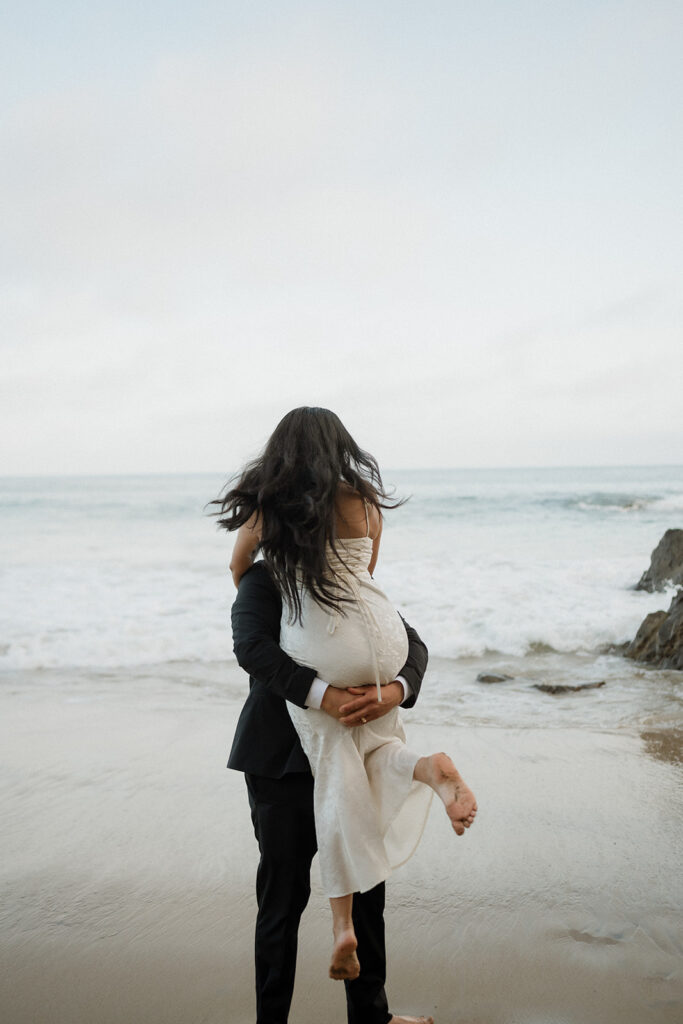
(664, 745)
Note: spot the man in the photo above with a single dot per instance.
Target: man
(280, 787)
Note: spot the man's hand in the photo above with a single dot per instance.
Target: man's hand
(334, 699)
(364, 707)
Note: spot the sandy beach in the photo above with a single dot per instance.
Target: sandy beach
(128, 868)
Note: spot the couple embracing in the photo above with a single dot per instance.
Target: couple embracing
(320, 739)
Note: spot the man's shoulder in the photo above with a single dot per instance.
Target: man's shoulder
(258, 576)
(258, 582)
(260, 573)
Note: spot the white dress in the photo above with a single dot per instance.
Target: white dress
(369, 812)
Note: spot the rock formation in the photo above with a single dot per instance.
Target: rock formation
(666, 563)
(659, 641)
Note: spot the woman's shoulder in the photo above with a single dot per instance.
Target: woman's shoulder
(346, 490)
(356, 516)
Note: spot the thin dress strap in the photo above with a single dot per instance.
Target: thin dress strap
(367, 518)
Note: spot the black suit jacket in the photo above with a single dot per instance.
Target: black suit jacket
(266, 742)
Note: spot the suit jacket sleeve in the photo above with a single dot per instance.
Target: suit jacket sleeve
(415, 667)
(255, 616)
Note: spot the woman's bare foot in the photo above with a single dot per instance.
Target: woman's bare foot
(344, 964)
(439, 772)
(411, 1020)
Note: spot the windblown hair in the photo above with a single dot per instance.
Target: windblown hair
(292, 487)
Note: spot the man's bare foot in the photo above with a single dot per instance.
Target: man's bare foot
(411, 1020)
(439, 772)
(344, 960)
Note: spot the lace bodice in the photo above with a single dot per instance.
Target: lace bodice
(353, 555)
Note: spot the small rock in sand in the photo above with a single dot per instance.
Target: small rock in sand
(493, 677)
(548, 688)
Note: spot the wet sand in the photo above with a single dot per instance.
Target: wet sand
(128, 864)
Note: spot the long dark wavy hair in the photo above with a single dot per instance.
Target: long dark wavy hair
(292, 486)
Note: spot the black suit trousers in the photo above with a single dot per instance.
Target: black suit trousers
(284, 825)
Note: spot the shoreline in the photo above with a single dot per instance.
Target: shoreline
(129, 861)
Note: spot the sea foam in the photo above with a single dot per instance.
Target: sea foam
(118, 571)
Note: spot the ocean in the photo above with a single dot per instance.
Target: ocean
(530, 572)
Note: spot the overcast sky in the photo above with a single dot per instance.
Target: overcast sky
(459, 225)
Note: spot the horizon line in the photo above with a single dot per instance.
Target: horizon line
(404, 469)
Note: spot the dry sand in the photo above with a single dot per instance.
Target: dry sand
(128, 867)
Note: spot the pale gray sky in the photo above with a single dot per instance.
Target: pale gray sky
(458, 225)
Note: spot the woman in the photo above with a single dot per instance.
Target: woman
(312, 504)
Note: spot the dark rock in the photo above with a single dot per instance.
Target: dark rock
(493, 677)
(547, 688)
(614, 648)
(670, 635)
(666, 563)
(643, 645)
(659, 641)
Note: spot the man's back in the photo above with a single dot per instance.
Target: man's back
(266, 742)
